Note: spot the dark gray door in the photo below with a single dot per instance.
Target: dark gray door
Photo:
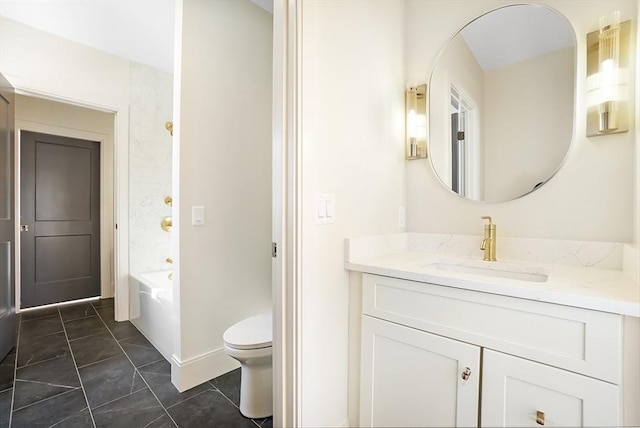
(60, 207)
(7, 223)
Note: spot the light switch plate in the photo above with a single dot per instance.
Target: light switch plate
(197, 216)
(325, 208)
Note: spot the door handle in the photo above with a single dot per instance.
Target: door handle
(24, 228)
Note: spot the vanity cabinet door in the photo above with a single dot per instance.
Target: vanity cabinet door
(415, 379)
(522, 393)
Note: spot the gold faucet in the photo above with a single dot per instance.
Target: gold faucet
(489, 241)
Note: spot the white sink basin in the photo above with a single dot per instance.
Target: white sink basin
(493, 269)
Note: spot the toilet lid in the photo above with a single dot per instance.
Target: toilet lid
(250, 333)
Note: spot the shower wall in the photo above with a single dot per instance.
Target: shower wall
(151, 106)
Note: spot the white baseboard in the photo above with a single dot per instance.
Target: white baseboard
(194, 371)
(345, 424)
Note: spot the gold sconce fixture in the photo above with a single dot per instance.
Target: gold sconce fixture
(416, 122)
(169, 127)
(608, 77)
(166, 224)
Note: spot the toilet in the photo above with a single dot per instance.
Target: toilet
(249, 342)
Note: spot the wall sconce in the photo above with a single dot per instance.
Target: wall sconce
(607, 77)
(416, 122)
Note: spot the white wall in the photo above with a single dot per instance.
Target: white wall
(528, 123)
(222, 161)
(636, 193)
(591, 197)
(150, 154)
(37, 61)
(352, 131)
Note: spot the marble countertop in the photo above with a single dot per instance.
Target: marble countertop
(604, 289)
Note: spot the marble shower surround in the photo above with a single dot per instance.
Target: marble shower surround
(149, 167)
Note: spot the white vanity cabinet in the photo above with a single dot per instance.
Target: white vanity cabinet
(528, 363)
(521, 393)
(416, 379)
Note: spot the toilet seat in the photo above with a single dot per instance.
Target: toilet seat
(251, 333)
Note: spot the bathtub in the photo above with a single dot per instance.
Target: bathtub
(151, 308)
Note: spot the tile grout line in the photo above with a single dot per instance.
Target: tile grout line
(35, 364)
(234, 404)
(75, 365)
(225, 396)
(193, 396)
(135, 369)
(48, 398)
(149, 424)
(15, 371)
(213, 387)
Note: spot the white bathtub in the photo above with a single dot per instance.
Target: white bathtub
(151, 308)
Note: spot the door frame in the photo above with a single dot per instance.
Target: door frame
(114, 176)
(286, 202)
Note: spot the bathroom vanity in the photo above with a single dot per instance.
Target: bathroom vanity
(449, 340)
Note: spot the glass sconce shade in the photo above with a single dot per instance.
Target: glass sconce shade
(416, 122)
(608, 58)
(607, 65)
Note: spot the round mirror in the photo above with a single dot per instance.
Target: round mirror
(501, 100)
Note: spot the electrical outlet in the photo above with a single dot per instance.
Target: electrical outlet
(402, 217)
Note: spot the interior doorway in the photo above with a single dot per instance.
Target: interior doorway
(39, 115)
(59, 219)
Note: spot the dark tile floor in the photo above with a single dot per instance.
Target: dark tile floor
(76, 367)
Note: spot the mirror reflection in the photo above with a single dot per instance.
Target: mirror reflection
(501, 100)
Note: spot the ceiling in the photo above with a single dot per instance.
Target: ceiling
(142, 30)
(138, 30)
(516, 33)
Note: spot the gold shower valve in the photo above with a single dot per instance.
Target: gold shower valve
(166, 224)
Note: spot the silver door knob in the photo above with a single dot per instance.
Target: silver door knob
(24, 228)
